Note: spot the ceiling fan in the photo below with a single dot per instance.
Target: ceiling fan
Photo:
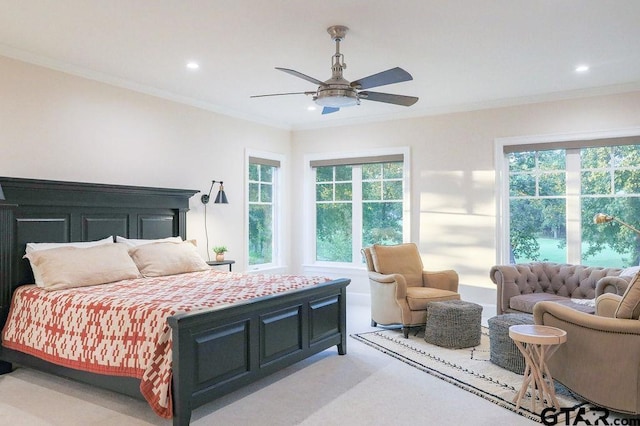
(337, 92)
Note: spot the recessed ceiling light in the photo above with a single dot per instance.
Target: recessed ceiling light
(582, 68)
(311, 108)
(193, 65)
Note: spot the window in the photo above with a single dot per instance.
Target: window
(554, 195)
(262, 192)
(334, 213)
(358, 202)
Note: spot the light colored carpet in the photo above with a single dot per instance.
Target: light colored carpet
(469, 369)
(364, 387)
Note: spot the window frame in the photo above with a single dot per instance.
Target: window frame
(278, 200)
(568, 141)
(309, 235)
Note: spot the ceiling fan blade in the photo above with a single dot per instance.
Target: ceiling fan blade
(388, 98)
(329, 110)
(393, 75)
(302, 76)
(282, 94)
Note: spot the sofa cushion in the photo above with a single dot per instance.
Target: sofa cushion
(587, 306)
(419, 297)
(629, 307)
(525, 302)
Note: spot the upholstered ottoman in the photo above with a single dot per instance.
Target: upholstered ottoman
(503, 352)
(453, 324)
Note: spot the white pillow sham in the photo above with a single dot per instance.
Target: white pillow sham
(132, 242)
(67, 267)
(31, 247)
(79, 244)
(630, 272)
(167, 258)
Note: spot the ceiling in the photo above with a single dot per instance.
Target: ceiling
(463, 54)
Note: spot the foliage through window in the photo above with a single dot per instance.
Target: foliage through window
(356, 206)
(550, 189)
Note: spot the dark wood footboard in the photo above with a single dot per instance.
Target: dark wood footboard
(218, 351)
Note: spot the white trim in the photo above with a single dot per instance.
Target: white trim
(502, 208)
(569, 136)
(573, 206)
(309, 247)
(356, 211)
(502, 173)
(406, 201)
(280, 200)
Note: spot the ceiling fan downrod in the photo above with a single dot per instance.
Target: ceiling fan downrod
(337, 33)
(337, 92)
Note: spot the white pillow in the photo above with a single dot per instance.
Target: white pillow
(166, 258)
(67, 267)
(630, 272)
(131, 242)
(79, 244)
(31, 247)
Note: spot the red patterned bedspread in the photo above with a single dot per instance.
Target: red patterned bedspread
(120, 328)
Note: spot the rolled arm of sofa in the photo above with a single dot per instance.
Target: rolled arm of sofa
(607, 304)
(443, 280)
(505, 278)
(616, 285)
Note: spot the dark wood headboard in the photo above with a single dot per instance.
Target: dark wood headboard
(58, 212)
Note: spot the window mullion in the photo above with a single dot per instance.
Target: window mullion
(357, 222)
(573, 206)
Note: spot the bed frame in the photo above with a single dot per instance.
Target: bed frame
(215, 351)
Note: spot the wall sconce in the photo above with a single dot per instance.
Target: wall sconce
(221, 198)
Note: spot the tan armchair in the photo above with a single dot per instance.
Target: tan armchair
(600, 360)
(401, 289)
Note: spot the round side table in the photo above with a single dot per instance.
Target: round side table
(537, 343)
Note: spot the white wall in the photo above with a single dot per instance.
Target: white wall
(453, 206)
(57, 126)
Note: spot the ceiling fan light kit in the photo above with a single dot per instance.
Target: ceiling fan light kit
(337, 98)
(337, 92)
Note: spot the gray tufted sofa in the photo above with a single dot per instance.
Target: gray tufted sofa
(520, 286)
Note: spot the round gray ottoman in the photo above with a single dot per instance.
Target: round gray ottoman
(453, 324)
(503, 352)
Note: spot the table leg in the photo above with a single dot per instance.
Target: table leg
(537, 375)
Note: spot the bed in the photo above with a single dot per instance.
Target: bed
(214, 351)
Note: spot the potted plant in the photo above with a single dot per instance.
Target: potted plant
(219, 251)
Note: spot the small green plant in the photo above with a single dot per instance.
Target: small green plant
(219, 249)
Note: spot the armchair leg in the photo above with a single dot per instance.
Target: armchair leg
(405, 331)
(373, 323)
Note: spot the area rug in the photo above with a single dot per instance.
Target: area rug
(469, 369)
